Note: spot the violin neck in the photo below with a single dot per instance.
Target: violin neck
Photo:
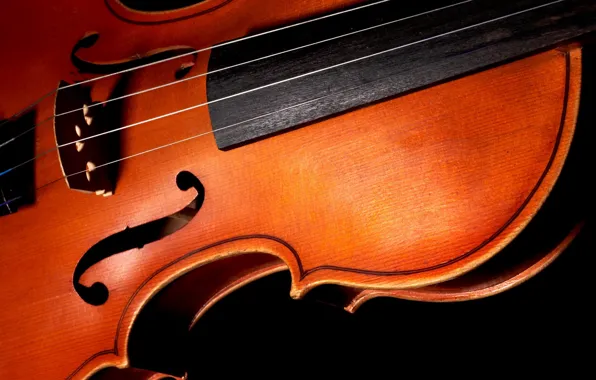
(332, 65)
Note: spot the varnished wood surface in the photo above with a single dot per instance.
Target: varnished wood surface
(466, 288)
(411, 192)
(548, 235)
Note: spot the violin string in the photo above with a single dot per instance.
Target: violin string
(12, 200)
(231, 67)
(278, 83)
(190, 138)
(7, 202)
(195, 51)
(263, 87)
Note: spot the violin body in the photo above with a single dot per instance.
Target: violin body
(395, 196)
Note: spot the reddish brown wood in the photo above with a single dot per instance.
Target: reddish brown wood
(406, 193)
(473, 285)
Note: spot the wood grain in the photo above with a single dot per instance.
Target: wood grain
(410, 192)
(470, 287)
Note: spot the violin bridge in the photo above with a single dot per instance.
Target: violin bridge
(80, 151)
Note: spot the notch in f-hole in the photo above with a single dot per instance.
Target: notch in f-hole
(136, 237)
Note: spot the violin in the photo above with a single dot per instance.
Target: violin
(168, 153)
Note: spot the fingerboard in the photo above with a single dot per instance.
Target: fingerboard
(279, 81)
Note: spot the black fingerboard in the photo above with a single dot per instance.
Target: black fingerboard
(431, 42)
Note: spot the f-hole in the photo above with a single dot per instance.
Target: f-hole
(136, 237)
(92, 67)
(158, 5)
